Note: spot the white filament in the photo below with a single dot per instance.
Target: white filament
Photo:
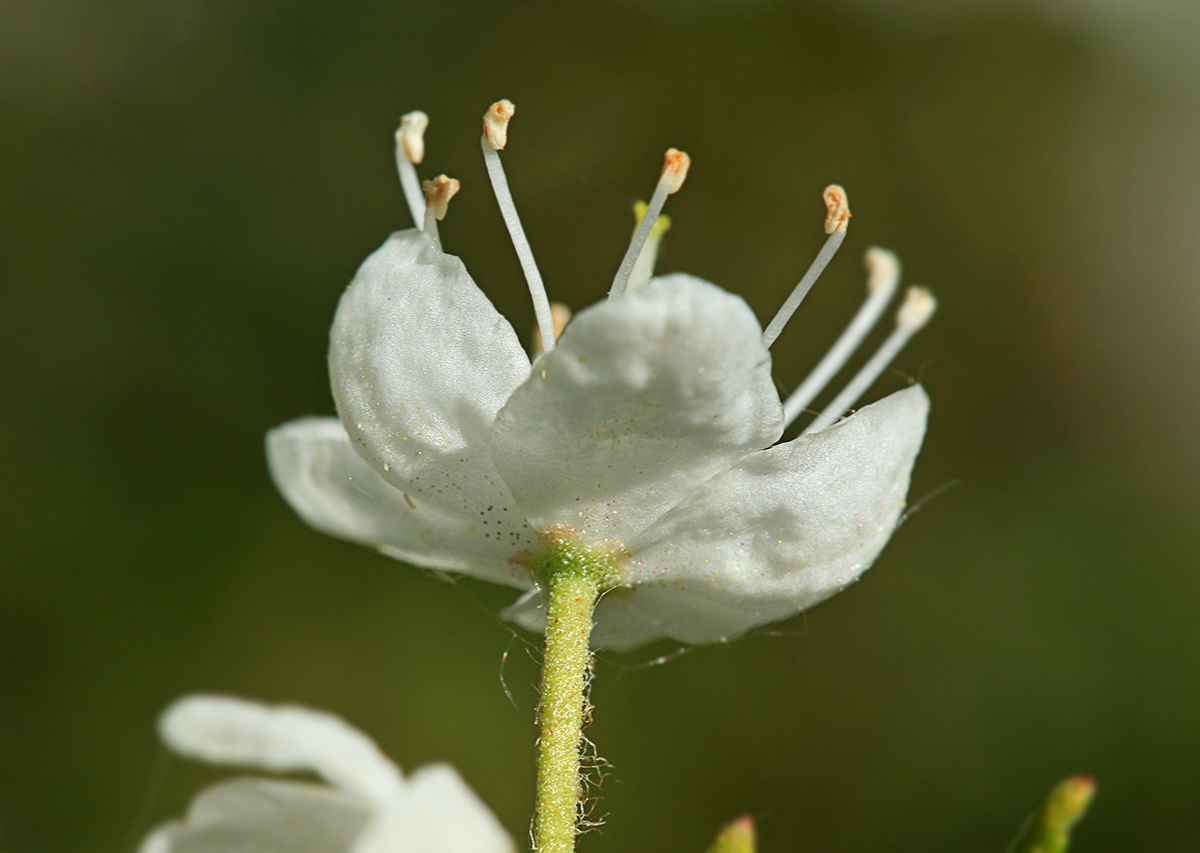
(411, 184)
(665, 184)
(884, 277)
(918, 307)
(775, 327)
(508, 210)
(430, 225)
(643, 269)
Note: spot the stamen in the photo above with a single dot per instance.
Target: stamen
(837, 216)
(883, 276)
(918, 307)
(643, 270)
(675, 169)
(438, 193)
(410, 150)
(561, 315)
(495, 123)
(495, 137)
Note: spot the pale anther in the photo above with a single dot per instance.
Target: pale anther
(495, 123)
(495, 137)
(883, 277)
(411, 135)
(438, 193)
(675, 168)
(837, 216)
(914, 313)
(918, 307)
(410, 149)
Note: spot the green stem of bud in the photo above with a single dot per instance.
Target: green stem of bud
(1048, 830)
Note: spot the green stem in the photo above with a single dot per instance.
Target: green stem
(572, 596)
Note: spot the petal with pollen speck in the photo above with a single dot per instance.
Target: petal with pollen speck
(334, 490)
(420, 362)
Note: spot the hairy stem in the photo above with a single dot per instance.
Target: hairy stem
(572, 595)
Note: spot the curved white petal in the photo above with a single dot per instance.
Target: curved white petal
(227, 730)
(420, 362)
(334, 490)
(779, 532)
(437, 814)
(642, 399)
(261, 816)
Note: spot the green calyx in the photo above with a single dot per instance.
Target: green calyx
(562, 553)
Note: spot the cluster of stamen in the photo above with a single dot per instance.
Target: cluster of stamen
(637, 267)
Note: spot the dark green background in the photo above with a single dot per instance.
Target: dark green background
(188, 186)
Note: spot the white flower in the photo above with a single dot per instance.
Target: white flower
(647, 430)
(367, 807)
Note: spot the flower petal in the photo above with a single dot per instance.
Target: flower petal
(420, 363)
(437, 814)
(779, 532)
(261, 816)
(228, 730)
(642, 399)
(337, 492)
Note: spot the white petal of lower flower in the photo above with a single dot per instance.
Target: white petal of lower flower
(333, 489)
(283, 738)
(779, 532)
(438, 814)
(369, 809)
(642, 399)
(263, 816)
(420, 363)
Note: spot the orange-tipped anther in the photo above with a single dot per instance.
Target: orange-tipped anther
(676, 168)
(837, 209)
(495, 123)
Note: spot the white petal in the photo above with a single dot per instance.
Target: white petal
(259, 816)
(437, 814)
(226, 730)
(643, 398)
(779, 532)
(420, 363)
(333, 489)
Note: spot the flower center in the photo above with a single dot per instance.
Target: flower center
(562, 551)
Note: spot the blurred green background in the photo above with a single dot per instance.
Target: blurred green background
(189, 184)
